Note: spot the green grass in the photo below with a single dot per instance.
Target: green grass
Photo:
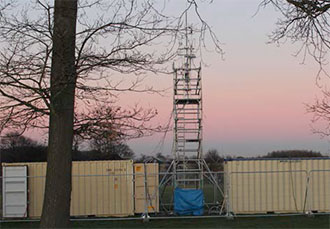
(248, 222)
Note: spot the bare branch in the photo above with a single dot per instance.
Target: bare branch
(307, 22)
(321, 114)
(126, 37)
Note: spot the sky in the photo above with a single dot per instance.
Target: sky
(254, 98)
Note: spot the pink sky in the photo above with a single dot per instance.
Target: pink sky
(254, 99)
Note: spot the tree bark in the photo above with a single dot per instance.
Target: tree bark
(56, 206)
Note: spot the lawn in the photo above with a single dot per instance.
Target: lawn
(246, 222)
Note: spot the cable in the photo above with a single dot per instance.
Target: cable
(161, 142)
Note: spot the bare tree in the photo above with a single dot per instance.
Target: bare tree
(14, 139)
(19, 148)
(110, 149)
(63, 78)
(307, 22)
(125, 37)
(214, 160)
(60, 60)
(115, 123)
(321, 115)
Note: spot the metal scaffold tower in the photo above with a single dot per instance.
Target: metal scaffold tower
(187, 111)
(188, 167)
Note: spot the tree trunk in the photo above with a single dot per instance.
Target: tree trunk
(56, 206)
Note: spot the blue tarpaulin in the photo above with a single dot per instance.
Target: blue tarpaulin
(188, 202)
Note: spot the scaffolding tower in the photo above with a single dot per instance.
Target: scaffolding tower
(187, 111)
(188, 168)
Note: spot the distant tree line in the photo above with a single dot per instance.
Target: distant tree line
(18, 148)
(15, 147)
(215, 161)
(293, 153)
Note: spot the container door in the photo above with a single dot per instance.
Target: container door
(14, 191)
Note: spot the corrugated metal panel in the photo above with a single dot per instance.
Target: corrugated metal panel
(14, 192)
(150, 198)
(36, 187)
(280, 186)
(100, 188)
(319, 180)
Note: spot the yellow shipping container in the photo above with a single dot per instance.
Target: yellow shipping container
(296, 185)
(146, 193)
(100, 188)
